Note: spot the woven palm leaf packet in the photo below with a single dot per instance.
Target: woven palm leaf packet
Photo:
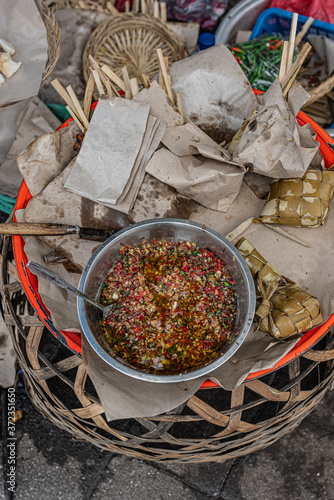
(300, 202)
(283, 309)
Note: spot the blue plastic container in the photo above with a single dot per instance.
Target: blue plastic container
(278, 21)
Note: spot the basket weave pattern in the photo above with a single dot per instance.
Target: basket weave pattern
(132, 40)
(212, 426)
(54, 41)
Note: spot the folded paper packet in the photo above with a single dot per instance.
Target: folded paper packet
(283, 310)
(273, 143)
(300, 202)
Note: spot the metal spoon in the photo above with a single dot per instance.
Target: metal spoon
(52, 277)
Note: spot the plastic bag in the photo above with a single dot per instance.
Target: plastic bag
(323, 10)
(204, 12)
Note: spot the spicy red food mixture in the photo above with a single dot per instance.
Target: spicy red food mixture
(176, 306)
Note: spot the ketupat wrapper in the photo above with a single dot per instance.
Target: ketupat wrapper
(293, 311)
(283, 310)
(300, 202)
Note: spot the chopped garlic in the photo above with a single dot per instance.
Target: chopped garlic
(7, 66)
(7, 47)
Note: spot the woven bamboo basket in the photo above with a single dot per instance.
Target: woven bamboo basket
(54, 41)
(132, 40)
(98, 5)
(212, 426)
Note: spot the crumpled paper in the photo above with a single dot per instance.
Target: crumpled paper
(22, 25)
(216, 94)
(35, 119)
(211, 183)
(273, 143)
(197, 167)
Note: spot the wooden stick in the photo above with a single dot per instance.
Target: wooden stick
(291, 76)
(128, 94)
(113, 77)
(111, 8)
(163, 12)
(89, 95)
(179, 104)
(143, 6)
(62, 92)
(127, 6)
(303, 31)
(292, 39)
(102, 77)
(78, 107)
(282, 68)
(76, 119)
(134, 86)
(156, 9)
(287, 235)
(126, 78)
(145, 79)
(98, 82)
(165, 75)
(135, 6)
(241, 228)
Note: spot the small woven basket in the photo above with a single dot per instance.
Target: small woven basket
(54, 41)
(99, 5)
(132, 40)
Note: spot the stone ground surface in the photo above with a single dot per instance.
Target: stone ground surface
(51, 466)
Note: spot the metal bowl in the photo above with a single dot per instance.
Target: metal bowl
(107, 254)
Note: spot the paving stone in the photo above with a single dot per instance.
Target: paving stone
(298, 466)
(206, 477)
(132, 479)
(38, 479)
(324, 412)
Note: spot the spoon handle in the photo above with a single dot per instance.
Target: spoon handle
(55, 279)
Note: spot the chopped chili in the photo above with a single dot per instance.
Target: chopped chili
(176, 307)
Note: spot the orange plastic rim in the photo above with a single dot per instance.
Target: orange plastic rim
(73, 339)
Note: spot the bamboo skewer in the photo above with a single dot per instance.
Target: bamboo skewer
(134, 86)
(98, 82)
(303, 31)
(102, 77)
(76, 119)
(287, 235)
(179, 103)
(156, 10)
(62, 92)
(78, 107)
(163, 12)
(126, 78)
(292, 40)
(291, 76)
(145, 79)
(282, 69)
(165, 75)
(89, 95)
(113, 77)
